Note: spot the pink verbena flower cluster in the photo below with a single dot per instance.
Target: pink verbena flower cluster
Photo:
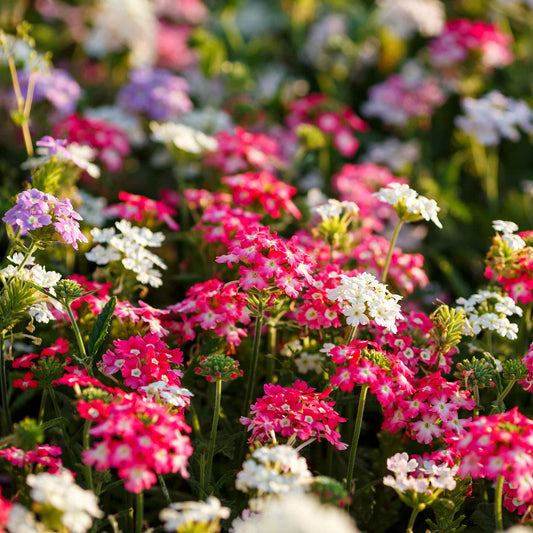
(331, 117)
(527, 383)
(219, 222)
(413, 345)
(211, 305)
(143, 360)
(138, 437)
(262, 187)
(462, 38)
(296, 410)
(244, 151)
(498, 445)
(44, 455)
(142, 210)
(108, 140)
(405, 270)
(34, 210)
(362, 362)
(358, 183)
(430, 411)
(268, 262)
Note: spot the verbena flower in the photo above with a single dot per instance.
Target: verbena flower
(34, 210)
(409, 205)
(185, 517)
(363, 298)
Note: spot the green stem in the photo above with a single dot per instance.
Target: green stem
(79, 340)
(6, 416)
(212, 438)
(57, 411)
(411, 523)
(23, 106)
(355, 438)
(139, 509)
(491, 178)
(498, 496)
(86, 446)
(272, 336)
(255, 358)
(42, 408)
(391, 248)
(503, 394)
(351, 335)
(164, 488)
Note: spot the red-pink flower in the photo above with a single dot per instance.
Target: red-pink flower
(296, 410)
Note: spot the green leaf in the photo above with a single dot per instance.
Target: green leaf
(101, 327)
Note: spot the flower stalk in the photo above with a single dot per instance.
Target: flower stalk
(212, 438)
(391, 248)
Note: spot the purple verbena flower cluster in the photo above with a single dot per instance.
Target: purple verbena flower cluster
(34, 209)
(55, 85)
(155, 92)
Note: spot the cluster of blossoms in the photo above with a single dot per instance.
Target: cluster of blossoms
(211, 305)
(404, 97)
(155, 93)
(50, 149)
(143, 210)
(273, 195)
(110, 142)
(34, 210)
(244, 151)
(297, 412)
(430, 411)
(331, 117)
(407, 17)
(405, 270)
(60, 501)
(296, 512)
(183, 138)
(363, 298)
(413, 345)
(393, 153)
(498, 445)
(142, 361)
(268, 262)
(190, 516)
(129, 246)
(527, 383)
(463, 39)
(272, 471)
(316, 310)
(138, 437)
(419, 475)
(169, 395)
(488, 310)
(44, 455)
(362, 362)
(494, 117)
(358, 183)
(509, 260)
(40, 311)
(55, 85)
(220, 222)
(409, 205)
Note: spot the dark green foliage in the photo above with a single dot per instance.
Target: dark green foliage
(101, 327)
(446, 509)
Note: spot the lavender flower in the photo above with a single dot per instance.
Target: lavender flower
(55, 85)
(35, 209)
(155, 92)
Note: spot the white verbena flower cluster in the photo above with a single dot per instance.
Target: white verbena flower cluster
(493, 117)
(427, 474)
(169, 394)
(197, 516)
(78, 507)
(38, 275)
(507, 229)
(488, 310)
(183, 137)
(274, 470)
(363, 298)
(129, 245)
(296, 513)
(408, 204)
(393, 153)
(335, 209)
(406, 17)
(308, 362)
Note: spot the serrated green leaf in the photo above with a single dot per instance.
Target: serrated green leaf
(101, 327)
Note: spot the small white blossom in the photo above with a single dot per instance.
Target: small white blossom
(393, 153)
(183, 137)
(186, 515)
